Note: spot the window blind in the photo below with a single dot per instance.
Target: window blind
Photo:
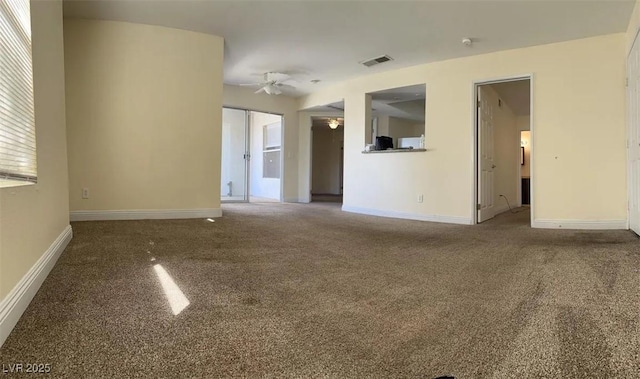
(17, 120)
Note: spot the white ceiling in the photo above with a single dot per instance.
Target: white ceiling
(326, 39)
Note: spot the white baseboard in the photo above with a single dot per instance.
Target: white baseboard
(580, 224)
(15, 303)
(408, 216)
(144, 214)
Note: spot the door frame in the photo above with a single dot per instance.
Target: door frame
(474, 143)
(629, 130)
(311, 116)
(248, 148)
(305, 150)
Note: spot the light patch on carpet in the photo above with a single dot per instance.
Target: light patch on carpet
(176, 298)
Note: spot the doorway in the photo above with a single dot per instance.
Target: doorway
(327, 149)
(503, 148)
(251, 164)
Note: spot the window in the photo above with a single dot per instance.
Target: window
(17, 121)
(272, 137)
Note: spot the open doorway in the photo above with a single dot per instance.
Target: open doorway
(327, 136)
(251, 164)
(503, 149)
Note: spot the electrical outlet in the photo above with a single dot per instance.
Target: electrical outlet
(420, 198)
(85, 193)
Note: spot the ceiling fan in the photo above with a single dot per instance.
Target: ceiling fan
(273, 83)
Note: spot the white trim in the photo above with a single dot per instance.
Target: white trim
(283, 157)
(580, 224)
(409, 216)
(474, 150)
(16, 302)
(308, 116)
(144, 214)
(531, 148)
(629, 130)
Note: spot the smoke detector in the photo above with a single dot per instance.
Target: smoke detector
(466, 41)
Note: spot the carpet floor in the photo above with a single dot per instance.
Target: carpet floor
(293, 290)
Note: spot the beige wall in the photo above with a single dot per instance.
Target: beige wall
(383, 126)
(402, 127)
(33, 216)
(567, 174)
(144, 107)
(239, 97)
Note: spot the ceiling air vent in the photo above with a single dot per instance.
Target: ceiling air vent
(378, 60)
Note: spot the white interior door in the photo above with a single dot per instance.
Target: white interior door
(486, 209)
(633, 98)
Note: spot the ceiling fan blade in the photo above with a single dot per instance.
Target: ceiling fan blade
(249, 84)
(275, 91)
(260, 90)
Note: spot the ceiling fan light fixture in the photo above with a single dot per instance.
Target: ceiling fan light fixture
(333, 124)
